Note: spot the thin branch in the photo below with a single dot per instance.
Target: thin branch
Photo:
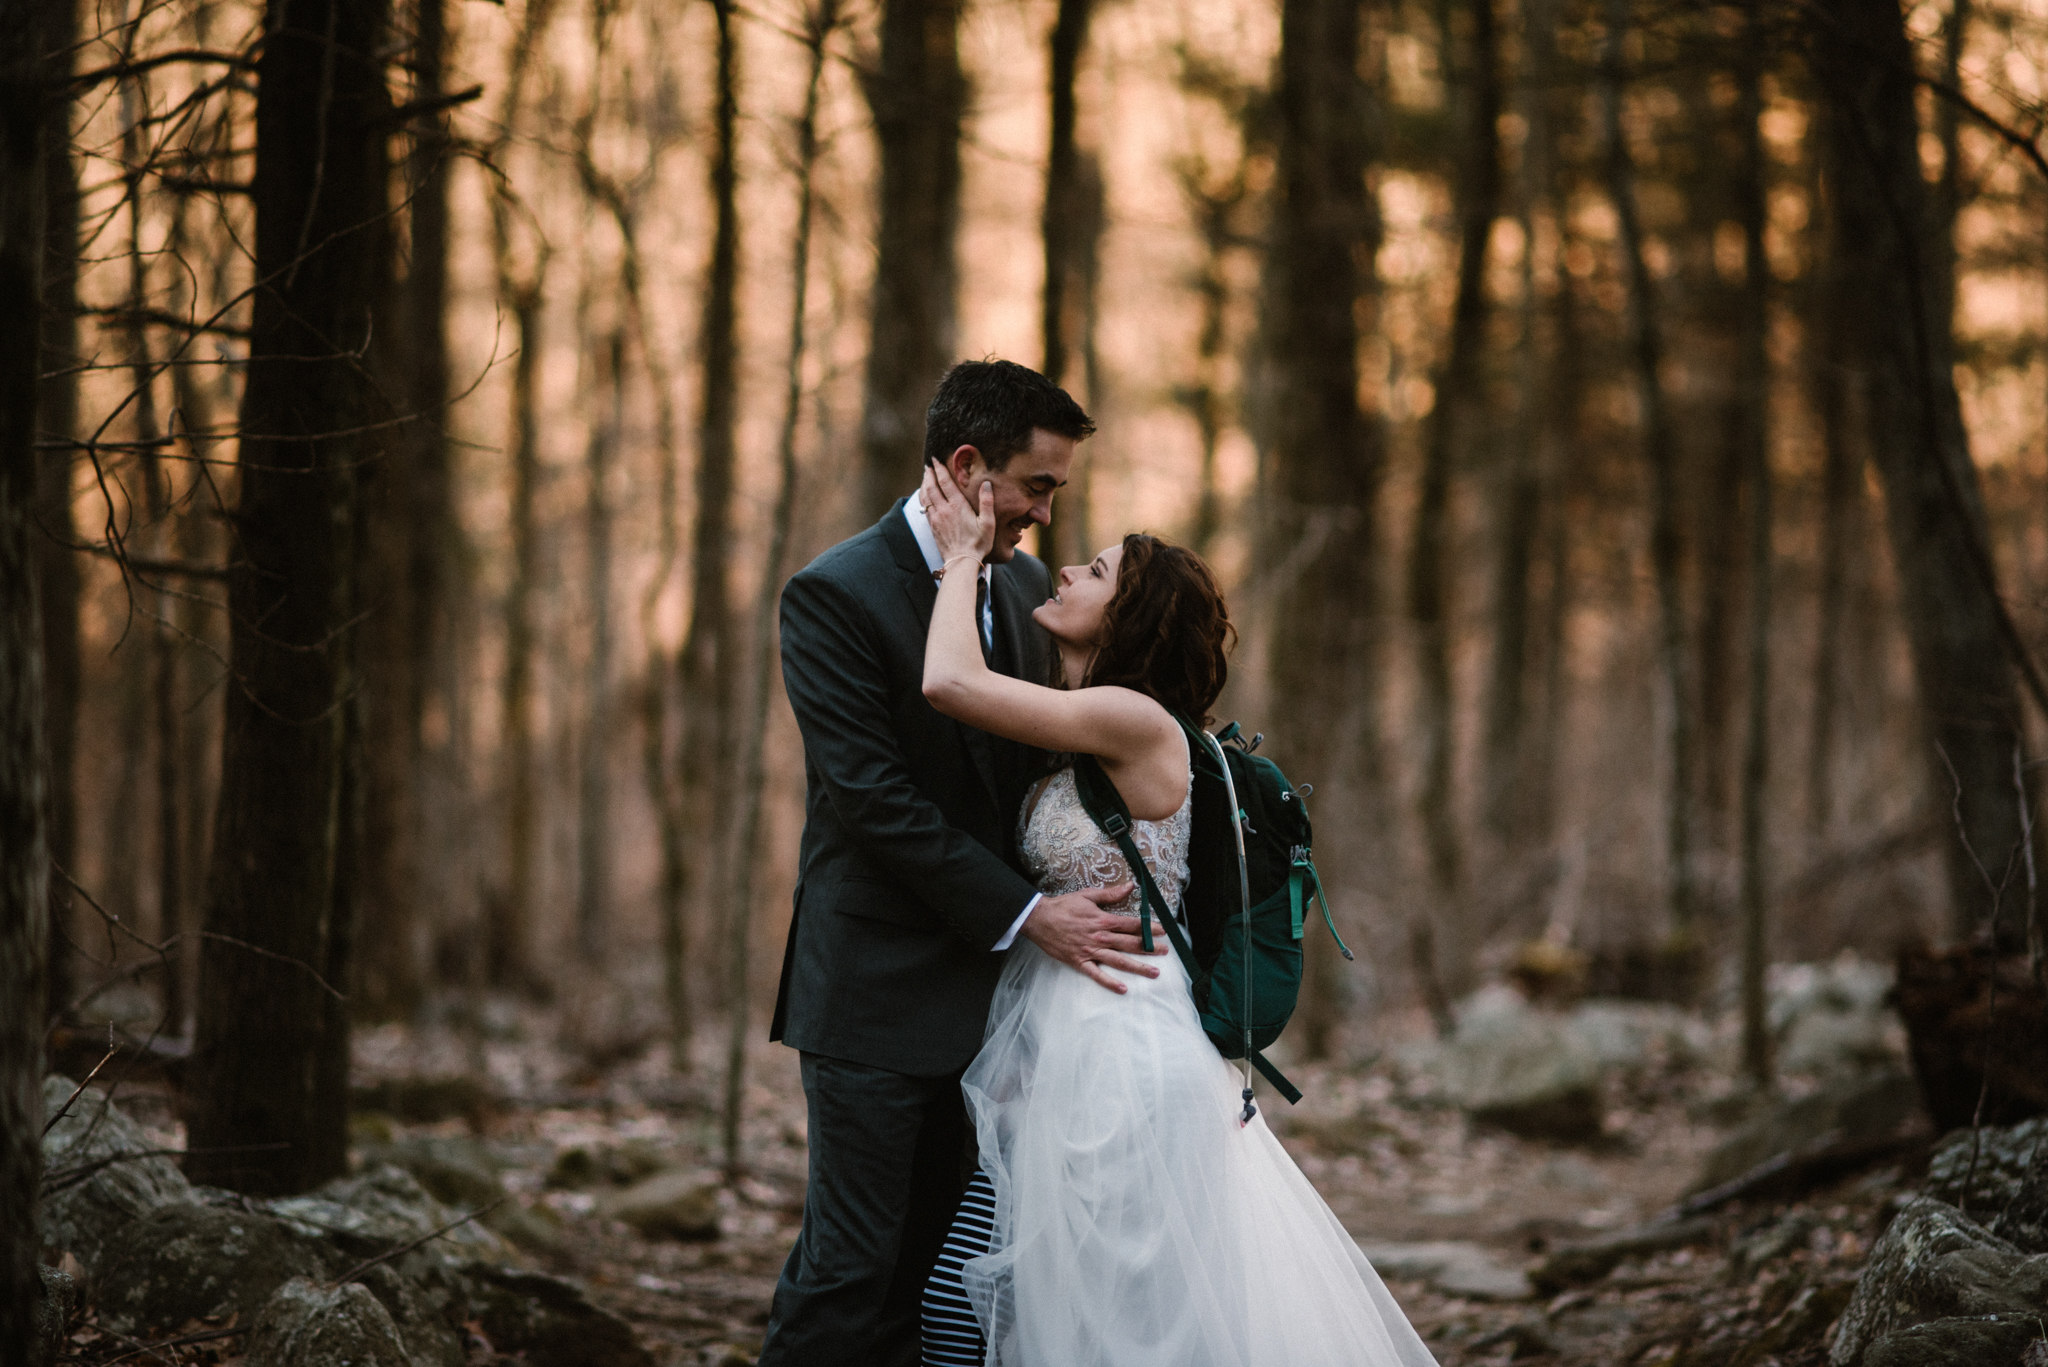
(86, 80)
(79, 1090)
(360, 1268)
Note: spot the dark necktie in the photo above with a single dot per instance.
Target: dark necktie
(980, 607)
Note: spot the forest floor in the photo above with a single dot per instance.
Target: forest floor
(1395, 1167)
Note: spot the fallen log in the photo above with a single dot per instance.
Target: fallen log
(1577, 1263)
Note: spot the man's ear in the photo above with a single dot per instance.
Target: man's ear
(963, 465)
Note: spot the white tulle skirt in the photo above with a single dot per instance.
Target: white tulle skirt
(1137, 1222)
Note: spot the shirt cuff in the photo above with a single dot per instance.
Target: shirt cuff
(1010, 935)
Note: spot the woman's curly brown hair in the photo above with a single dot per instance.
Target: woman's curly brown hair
(1166, 629)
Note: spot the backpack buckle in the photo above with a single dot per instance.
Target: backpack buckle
(1299, 856)
(1115, 825)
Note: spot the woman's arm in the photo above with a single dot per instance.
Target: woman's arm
(1118, 725)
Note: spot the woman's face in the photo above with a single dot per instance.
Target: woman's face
(1080, 599)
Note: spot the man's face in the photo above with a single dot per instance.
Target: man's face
(1023, 488)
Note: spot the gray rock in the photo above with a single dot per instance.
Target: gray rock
(549, 1321)
(1870, 1106)
(463, 1173)
(1983, 1341)
(2024, 1221)
(670, 1205)
(54, 1307)
(1457, 1269)
(426, 1327)
(456, 1170)
(1834, 1017)
(2003, 1157)
(307, 1324)
(1628, 1034)
(97, 1183)
(621, 1165)
(1933, 1263)
(1524, 1070)
(382, 1207)
(197, 1261)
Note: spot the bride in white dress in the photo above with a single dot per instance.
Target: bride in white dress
(1123, 1215)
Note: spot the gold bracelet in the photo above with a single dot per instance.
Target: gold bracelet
(940, 572)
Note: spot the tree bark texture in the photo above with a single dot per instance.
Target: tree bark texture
(511, 949)
(593, 793)
(711, 655)
(1323, 454)
(1753, 385)
(822, 20)
(1899, 344)
(918, 95)
(1519, 492)
(159, 541)
(1065, 223)
(24, 856)
(1460, 409)
(1071, 231)
(57, 421)
(406, 641)
(1841, 528)
(270, 1060)
(1660, 454)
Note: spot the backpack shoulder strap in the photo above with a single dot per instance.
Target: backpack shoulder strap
(1105, 805)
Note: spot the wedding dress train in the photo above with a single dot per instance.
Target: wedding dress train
(1135, 1221)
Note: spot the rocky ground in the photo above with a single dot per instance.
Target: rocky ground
(1562, 1243)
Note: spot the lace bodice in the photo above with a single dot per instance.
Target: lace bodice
(1065, 851)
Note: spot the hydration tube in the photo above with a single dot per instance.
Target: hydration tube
(1244, 894)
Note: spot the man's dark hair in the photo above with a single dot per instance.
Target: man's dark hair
(993, 406)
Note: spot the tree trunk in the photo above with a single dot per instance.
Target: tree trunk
(1660, 453)
(1753, 396)
(1323, 454)
(1064, 223)
(1459, 396)
(822, 20)
(57, 423)
(36, 27)
(918, 96)
(511, 951)
(507, 956)
(593, 796)
(406, 639)
(1964, 649)
(1841, 521)
(1519, 498)
(436, 576)
(270, 1062)
(159, 542)
(1071, 230)
(711, 654)
(1205, 399)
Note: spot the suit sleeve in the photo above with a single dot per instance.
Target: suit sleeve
(838, 689)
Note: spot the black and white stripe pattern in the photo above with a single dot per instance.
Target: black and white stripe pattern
(952, 1337)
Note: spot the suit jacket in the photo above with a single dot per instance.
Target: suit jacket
(909, 869)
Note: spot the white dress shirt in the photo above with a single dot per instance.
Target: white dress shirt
(921, 528)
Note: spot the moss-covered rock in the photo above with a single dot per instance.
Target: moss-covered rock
(1935, 1263)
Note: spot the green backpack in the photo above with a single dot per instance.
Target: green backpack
(1250, 881)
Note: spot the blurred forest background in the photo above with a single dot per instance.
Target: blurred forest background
(1618, 426)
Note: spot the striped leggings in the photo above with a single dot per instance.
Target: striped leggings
(952, 1336)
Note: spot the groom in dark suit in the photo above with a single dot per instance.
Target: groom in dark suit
(908, 887)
